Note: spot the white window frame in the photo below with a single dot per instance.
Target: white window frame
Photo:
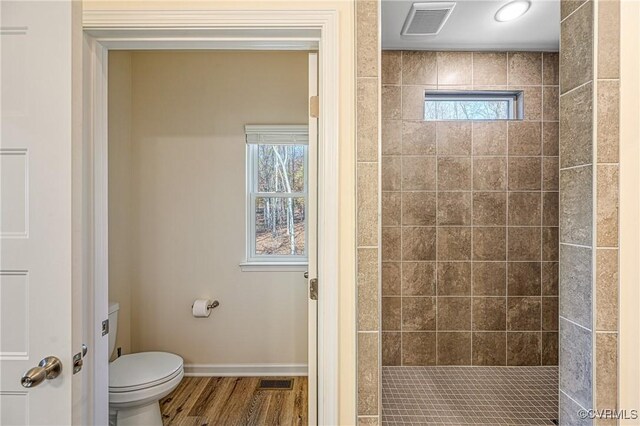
(272, 135)
(514, 98)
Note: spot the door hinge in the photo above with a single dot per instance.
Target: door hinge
(314, 106)
(105, 327)
(313, 289)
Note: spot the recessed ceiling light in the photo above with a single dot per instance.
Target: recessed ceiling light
(513, 10)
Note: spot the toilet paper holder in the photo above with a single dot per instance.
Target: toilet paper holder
(213, 304)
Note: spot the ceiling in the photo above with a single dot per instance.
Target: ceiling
(472, 26)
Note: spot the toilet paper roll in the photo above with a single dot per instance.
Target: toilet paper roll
(201, 308)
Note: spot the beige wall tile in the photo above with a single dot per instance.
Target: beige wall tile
(391, 173)
(489, 348)
(550, 244)
(391, 244)
(391, 351)
(453, 138)
(391, 67)
(569, 6)
(524, 243)
(368, 374)
(391, 208)
(418, 243)
(609, 39)
(454, 348)
(368, 319)
(550, 71)
(549, 348)
(367, 199)
(550, 97)
(489, 314)
(454, 173)
(418, 173)
(419, 67)
(525, 208)
(576, 127)
(607, 289)
(454, 208)
(524, 173)
(454, 313)
(391, 135)
(418, 313)
(550, 171)
(532, 101)
(489, 243)
(525, 138)
(489, 208)
(549, 278)
(413, 102)
(367, 119)
(418, 278)
(454, 243)
(608, 121)
(418, 137)
(489, 138)
(454, 68)
(523, 278)
(391, 313)
(367, 52)
(576, 205)
(391, 278)
(419, 208)
(576, 55)
(606, 371)
(418, 348)
(525, 68)
(391, 102)
(489, 278)
(550, 313)
(489, 68)
(454, 278)
(524, 348)
(368, 421)
(550, 138)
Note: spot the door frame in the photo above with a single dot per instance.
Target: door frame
(209, 30)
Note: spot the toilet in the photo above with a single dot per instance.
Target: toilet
(138, 381)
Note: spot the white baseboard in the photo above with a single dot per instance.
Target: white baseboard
(244, 370)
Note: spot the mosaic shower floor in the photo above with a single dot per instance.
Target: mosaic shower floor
(469, 395)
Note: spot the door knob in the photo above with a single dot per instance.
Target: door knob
(49, 368)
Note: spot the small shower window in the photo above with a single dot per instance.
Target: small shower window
(277, 194)
(473, 105)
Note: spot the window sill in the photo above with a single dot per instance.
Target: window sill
(273, 267)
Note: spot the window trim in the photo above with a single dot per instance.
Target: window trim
(514, 97)
(272, 135)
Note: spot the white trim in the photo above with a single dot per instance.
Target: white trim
(277, 134)
(127, 29)
(273, 267)
(244, 370)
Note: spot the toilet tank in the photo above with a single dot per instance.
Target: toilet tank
(114, 307)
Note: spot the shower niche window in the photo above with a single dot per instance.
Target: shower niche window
(473, 105)
(277, 193)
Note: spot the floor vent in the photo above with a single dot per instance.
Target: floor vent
(276, 384)
(427, 19)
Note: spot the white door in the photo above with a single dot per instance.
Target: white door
(35, 209)
(313, 241)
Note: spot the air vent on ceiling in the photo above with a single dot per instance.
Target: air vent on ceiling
(426, 19)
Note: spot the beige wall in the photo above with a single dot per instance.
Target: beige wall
(469, 214)
(178, 224)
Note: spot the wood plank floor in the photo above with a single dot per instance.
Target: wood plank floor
(205, 401)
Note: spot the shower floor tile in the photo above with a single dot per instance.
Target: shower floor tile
(469, 395)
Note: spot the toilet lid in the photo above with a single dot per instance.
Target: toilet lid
(143, 369)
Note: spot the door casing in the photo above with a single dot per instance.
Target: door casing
(209, 30)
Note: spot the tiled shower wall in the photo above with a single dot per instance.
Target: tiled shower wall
(368, 209)
(469, 214)
(589, 166)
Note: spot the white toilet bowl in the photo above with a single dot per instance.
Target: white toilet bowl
(138, 381)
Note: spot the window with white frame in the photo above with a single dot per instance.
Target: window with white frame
(277, 194)
(473, 105)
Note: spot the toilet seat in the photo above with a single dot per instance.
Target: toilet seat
(143, 370)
